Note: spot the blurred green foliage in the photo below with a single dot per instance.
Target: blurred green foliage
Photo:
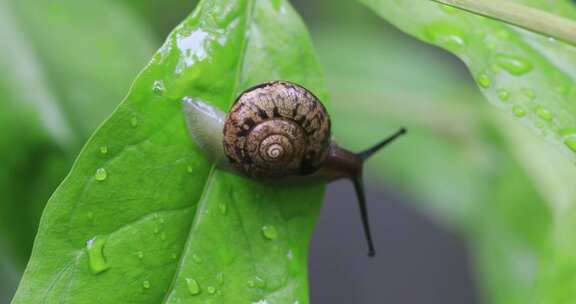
(468, 167)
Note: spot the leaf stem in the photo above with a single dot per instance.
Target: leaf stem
(530, 18)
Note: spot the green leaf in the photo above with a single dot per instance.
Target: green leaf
(150, 219)
(457, 165)
(57, 83)
(525, 74)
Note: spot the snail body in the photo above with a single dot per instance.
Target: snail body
(278, 130)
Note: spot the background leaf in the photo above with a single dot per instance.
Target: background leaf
(527, 75)
(62, 73)
(143, 209)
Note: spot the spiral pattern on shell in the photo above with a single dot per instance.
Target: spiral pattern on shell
(277, 129)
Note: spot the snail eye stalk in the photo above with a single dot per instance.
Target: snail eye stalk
(359, 187)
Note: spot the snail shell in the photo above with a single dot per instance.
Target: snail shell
(277, 129)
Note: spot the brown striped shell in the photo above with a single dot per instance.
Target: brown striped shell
(277, 129)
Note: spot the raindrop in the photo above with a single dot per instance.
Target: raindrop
(211, 289)
(251, 284)
(197, 259)
(193, 286)
(162, 220)
(504, 95)
(134, 122)
(529, 93)
(223, 208)
(570, 142)
(146, 284)
(446, 35)
(140, 254)
(101, 174)
(103, 149)
(220, 278)
(518, 111)
(260, 283)
(189, 169)
(484, 81)
(269, 232)
(158, 87)
(544, 114)
(96, 260)
(447, 8)
(513, 64)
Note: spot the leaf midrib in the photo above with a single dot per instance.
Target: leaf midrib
(210, 178)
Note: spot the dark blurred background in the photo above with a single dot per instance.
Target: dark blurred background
(443, 200)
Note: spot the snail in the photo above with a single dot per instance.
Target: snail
(279, 131)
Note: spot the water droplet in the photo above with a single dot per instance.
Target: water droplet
(223, 208)
(446, 35)
(290, 255)
(269, 232)
(197, 259)
(544, 113)
(146, 284)
(220, 278)
(158, 87)
(101, 174)
(103, 149)
(529, 93)
(570, 142)
(514, 64)
(518, 111)
(189, 169)
(495, 69)
(484, 80)
(140, 254)
(260, 283)
(447, 8)
(193, 287)
(96, 260)
(134, 122)
(251, 284)
(504, 95)
(211, 289)
(155, 216)
(162, 220)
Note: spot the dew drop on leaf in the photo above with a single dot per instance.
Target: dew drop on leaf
(518, 111)
(504, 95)
(134, 122)
(513, 64)
(140, 254)
(101, 174)
(484, 80)
(146, 284)
(269, 232)
(220, 278)
(197, 259)
(223, 208)
(570, 142)
(103, 149)
(446, 35)
(96, 261)
(158, 87)
(189, 169)
(544, 114)
(211, 289)
(193, 287)
(260, 283)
